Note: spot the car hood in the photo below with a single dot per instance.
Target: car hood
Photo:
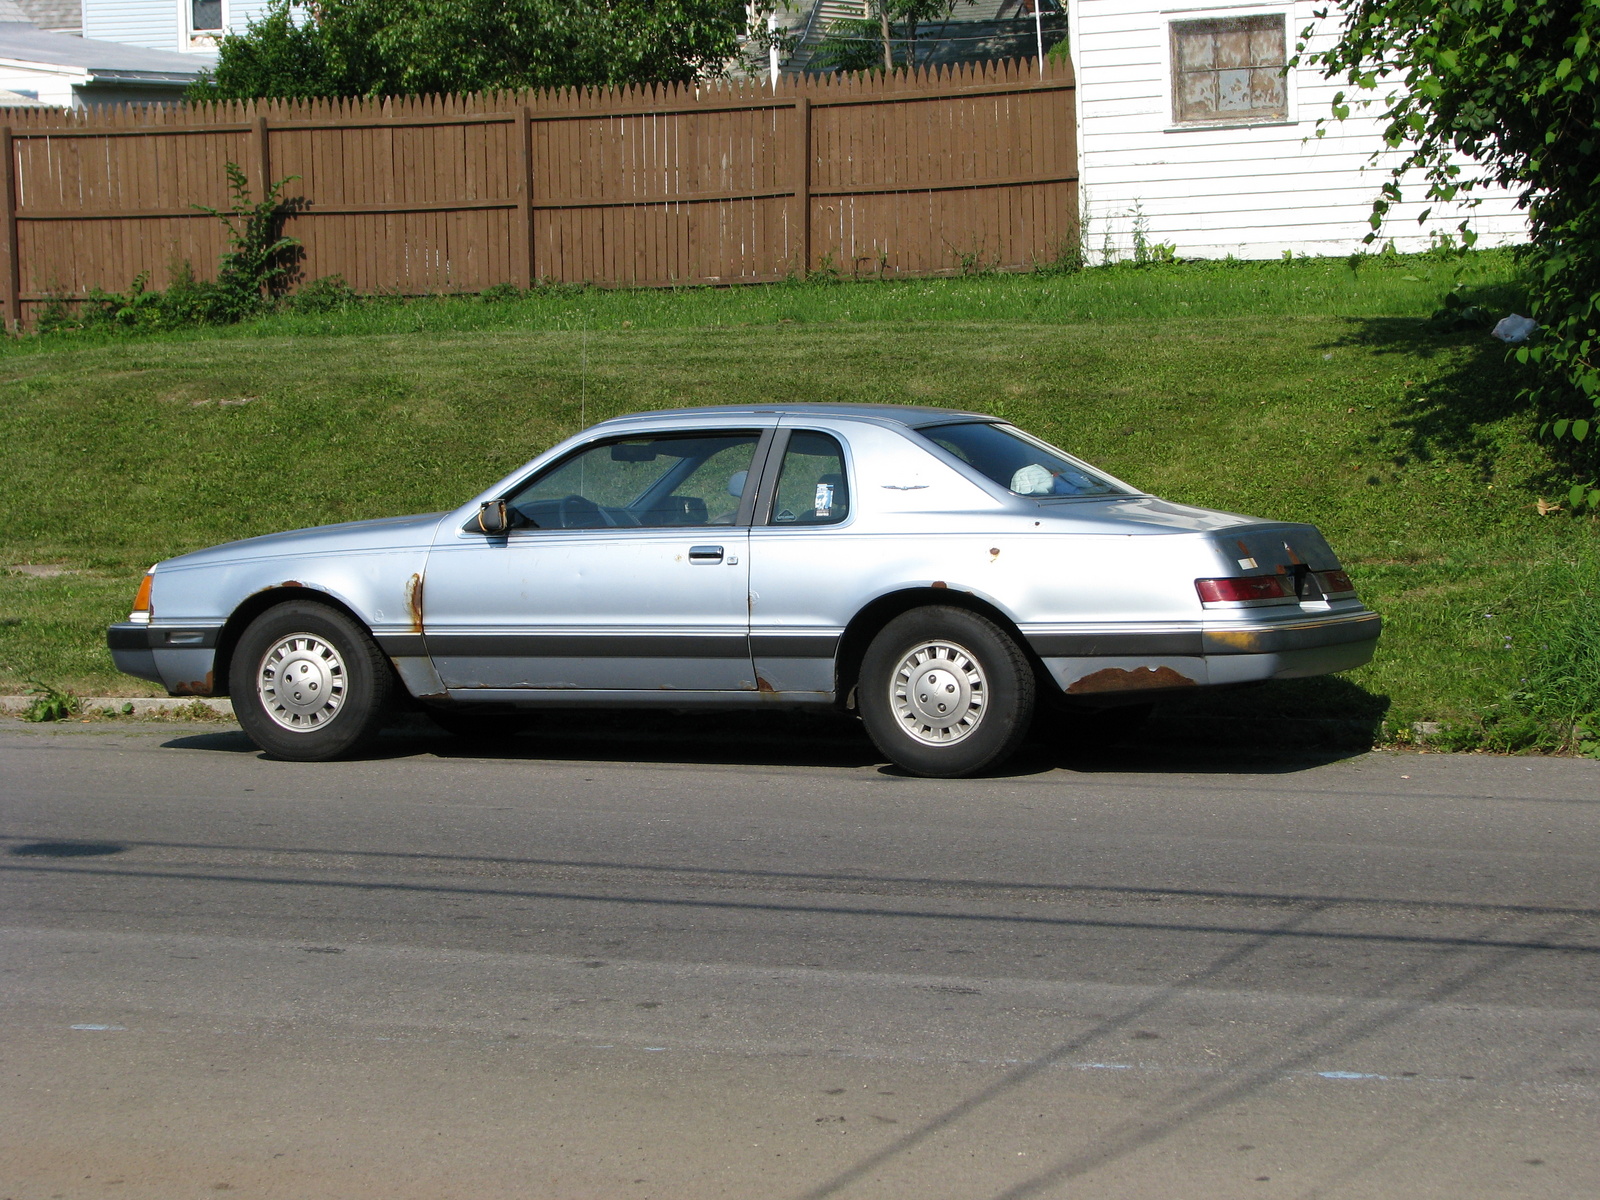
(383, 533)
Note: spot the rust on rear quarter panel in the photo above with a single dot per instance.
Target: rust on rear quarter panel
(1139, 679)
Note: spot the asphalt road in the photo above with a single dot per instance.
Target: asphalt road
(758, 967)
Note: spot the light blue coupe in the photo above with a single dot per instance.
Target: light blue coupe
(939, 573)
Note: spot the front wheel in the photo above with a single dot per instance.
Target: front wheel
(309, 684)
(945, 692)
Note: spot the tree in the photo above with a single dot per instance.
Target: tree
(329, 48)
(1514, 87)
(858, 44)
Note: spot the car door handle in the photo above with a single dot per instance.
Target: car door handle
(705, 554)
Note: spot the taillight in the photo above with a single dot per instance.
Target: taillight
(1335, 582)
(141, 598)
(1246, 587)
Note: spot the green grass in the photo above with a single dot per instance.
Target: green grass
(1304, 391)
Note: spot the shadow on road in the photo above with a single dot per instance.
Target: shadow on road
(1280, 728)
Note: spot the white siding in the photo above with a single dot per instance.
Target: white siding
(152, 24)
(158, 24)
(1253, 191)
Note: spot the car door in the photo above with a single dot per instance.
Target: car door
(804, 554)
(626, 570)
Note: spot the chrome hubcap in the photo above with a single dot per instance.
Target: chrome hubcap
(938, 692)
(302, 682)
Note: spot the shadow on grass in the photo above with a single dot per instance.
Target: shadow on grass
(1292, 725)
(1472, 386)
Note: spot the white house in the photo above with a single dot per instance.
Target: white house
(46, 67)
(1188, 126)
(183, 26)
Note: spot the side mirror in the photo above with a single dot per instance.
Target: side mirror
(494, 518)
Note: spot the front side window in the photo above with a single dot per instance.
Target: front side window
(205, 16)
(653, 481)
(1228, 70)
(1020, 463)
(812, 488)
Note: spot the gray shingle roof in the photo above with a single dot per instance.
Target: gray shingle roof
(63, 16)
(102, 60)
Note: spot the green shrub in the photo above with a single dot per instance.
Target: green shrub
(50, 703)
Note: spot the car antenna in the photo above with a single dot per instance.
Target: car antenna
(583, 375)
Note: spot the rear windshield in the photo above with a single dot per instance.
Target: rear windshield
(1020, 463)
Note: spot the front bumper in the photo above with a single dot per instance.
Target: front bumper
(179, 657)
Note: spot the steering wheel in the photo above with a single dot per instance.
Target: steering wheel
(579, 512)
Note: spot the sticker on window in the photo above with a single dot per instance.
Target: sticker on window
(824, 501)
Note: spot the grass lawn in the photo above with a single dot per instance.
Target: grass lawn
(1305, 391)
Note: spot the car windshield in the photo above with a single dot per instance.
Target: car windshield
(1020, 463)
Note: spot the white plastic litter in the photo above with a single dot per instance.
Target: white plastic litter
(1033, 480)
(1514, 329)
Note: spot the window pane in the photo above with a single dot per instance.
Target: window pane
(1233, 48)
(1196, 49)
(646, 482)
(1233, 91)
(1197, 95)
(812, 489)
(1020, 463)
(205, 15)
(1267, 45)
(1267, 91)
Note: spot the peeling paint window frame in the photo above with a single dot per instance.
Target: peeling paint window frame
(1271, 22)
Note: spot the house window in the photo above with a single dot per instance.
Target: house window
(1229, 70)
(205, 16)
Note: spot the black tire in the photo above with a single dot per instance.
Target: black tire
(347, 688)
(986, 679)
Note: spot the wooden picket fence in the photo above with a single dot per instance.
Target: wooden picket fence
(912, 174)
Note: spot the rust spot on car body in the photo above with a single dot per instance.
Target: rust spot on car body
(939, 583)
(196, 687)
(763, 686)
(291, 583)
(1139, 679)
(1242, 640)
(414, 602)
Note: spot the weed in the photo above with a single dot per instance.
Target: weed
(50, 703)
(1145, 252)
(325, 294)
(249, 272)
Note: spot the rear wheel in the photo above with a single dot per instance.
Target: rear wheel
(945, 692)
(309, 684)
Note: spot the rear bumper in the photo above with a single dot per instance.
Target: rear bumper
(1108, 660)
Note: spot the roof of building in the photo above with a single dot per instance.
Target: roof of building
(62, 16)
(107, 61)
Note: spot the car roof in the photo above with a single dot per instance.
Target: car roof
(911, 416)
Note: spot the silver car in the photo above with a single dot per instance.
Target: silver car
(939, 573)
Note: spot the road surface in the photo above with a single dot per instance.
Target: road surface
(738, 966)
